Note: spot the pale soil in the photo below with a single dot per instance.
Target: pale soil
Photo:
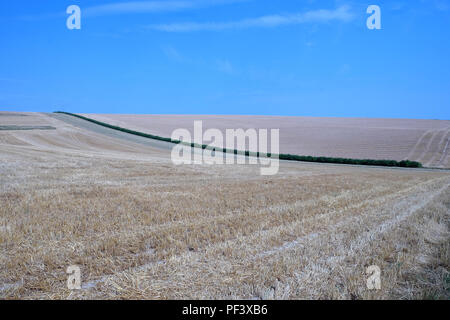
(392, 139)
(140, 227)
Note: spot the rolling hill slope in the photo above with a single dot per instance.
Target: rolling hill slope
(426, 141)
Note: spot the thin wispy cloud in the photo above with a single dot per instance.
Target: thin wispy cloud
(342, 13)
(152, 6)
(134, 7)
(225, 66)
(137, 7)
(172, 53)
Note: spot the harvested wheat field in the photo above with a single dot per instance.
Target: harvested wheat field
(425, 141)
(140, 227)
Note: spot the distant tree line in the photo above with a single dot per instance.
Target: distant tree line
(292, 157)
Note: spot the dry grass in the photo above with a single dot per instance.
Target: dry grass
(142, 228)
(425, 141)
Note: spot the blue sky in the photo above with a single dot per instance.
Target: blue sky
(306, 58)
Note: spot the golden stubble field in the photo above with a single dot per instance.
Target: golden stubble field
(141, 228)
(426, 141)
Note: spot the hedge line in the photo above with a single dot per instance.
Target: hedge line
(137, 133)
(370, 162)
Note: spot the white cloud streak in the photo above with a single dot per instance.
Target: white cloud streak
(172, 53)
(133, 7)
(225, 66)
(137, 7)
(151, 6)
(342, 14)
